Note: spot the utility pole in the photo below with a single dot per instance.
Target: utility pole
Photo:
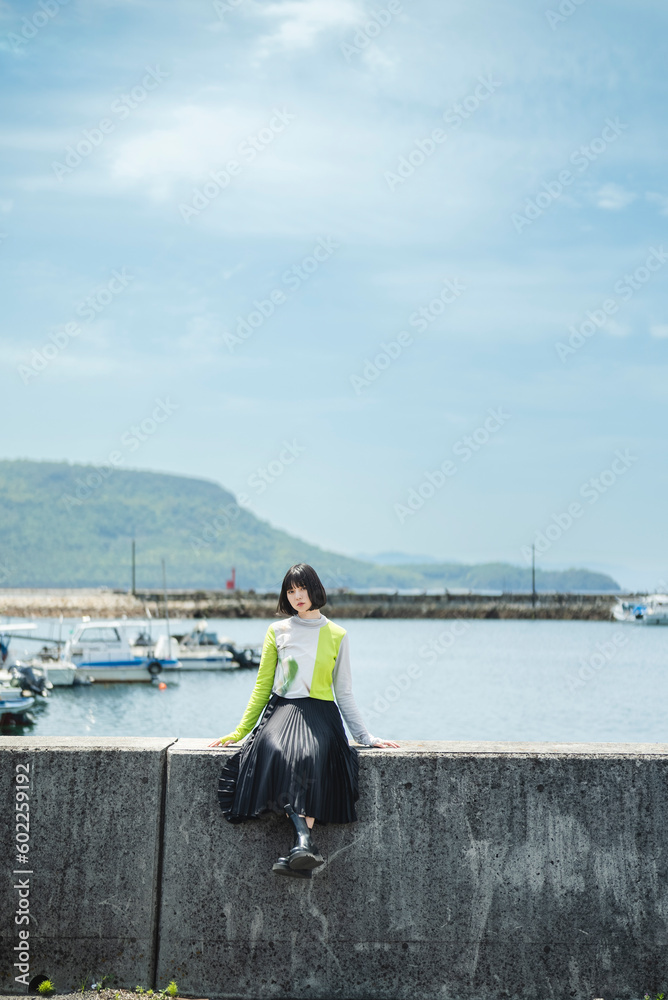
(533, 576)
(134, 588)
(164, 590)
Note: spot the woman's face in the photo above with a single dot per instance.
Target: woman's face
(298, 598)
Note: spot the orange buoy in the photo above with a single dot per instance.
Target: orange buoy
(162, 686)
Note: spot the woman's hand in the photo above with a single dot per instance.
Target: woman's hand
(221, 743)
(385, 743)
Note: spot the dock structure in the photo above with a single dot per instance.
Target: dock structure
(107, 603)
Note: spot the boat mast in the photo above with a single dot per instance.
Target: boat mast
(164, 590)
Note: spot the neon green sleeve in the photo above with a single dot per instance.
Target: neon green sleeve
(262, 690)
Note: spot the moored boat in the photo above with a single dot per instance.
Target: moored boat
(103, 651)
(201, 649)
(650, 610)
(13, 701)
(20, 685)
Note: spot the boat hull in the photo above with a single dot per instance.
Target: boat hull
(651, 610)
(113, 673)
(13, 705)
(644, 616)
(62, 675)
(190, 662)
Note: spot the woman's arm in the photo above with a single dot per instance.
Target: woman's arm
(342, 682)
(261, 692)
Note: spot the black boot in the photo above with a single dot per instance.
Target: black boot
(304, 855)
(282, 867)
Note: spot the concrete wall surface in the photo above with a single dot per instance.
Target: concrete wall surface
(95, 810)
(476, 871)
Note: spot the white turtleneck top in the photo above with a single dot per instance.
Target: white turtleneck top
(305, 658)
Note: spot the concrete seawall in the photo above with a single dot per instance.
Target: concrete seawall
(476, 871)
(238, 604)
(94, 810)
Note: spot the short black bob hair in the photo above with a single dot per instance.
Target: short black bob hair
(301, 575)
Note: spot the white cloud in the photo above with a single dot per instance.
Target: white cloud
(197, 140)
(659, 330)
(228, 272)
(659, 199)
(614, 197)
(617, 329)
(202, 339)
(377, 60)
(301, 21)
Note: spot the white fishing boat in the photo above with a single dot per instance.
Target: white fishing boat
(105, 651)
(61, 673)
(7, 632)
(202, 650)
(650, 610)
(57, 671)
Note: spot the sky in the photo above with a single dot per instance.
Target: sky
(394, 273)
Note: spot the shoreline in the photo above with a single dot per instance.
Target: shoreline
(103, 603)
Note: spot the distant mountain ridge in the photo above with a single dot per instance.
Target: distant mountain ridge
(65, 525)
(395, 559)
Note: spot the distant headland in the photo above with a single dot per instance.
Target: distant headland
(65, 525)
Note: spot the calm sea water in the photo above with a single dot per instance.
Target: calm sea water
(482, 680)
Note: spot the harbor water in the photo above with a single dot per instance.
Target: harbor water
(413, 679)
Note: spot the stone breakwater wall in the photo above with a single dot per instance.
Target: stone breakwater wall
(475, 871)
(223, 604)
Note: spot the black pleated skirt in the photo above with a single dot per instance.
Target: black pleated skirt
(299, 753)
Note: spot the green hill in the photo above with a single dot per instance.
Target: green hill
(67, 525)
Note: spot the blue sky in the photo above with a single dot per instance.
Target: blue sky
(367, 165)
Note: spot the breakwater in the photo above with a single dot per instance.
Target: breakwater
(476, 871)
(247, 604)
